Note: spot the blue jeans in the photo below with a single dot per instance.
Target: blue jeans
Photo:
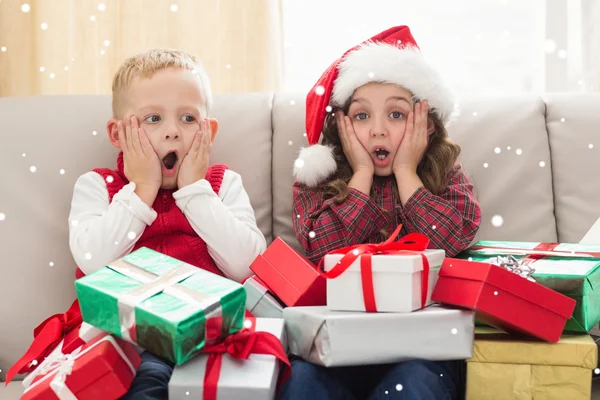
(152, 379)
(410, 380)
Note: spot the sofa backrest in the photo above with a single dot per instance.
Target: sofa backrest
(259, 137)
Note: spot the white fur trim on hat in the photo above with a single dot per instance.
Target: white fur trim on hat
(314, 164)
(386, 63)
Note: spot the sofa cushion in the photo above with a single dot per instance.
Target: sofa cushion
(510, 185)
(573, 123)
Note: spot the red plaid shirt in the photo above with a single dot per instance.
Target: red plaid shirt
(450, 220)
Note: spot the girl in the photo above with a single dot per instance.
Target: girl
(385, 160)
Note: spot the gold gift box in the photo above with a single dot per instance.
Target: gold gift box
(506, 367)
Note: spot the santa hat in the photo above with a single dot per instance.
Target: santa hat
(391, 56)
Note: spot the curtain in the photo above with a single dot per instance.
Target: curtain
(75, 46)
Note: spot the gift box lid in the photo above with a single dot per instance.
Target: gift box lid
(401, 263)
(494, 346)
(583, 272)
(509, 282)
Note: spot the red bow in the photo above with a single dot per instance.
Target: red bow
(46, 337)
(413, 243)
(239, 345)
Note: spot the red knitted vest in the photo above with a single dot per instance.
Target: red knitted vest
(171, 232)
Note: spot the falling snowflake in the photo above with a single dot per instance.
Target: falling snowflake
(74, 223)
(66, 68)
(299, 163)
(87, 256)
(562, 54)
(110, 179)
(508, 148)
(25, 8)
(355, 251)
(519, 152)
(485, 165)
(106, 43)
(470, 259)
(371, 74)
(174, 7)
(475, 113)
(320, 90)
(187, 393)
(542, 164)
(298, 216)
(2, 216)
(51, 264)
(304, 134)
(597, 371)
(131, 235)
(497, 221)
(454, 331)
(94, 133)
(228, 66)
(24, 155)
(44, 26)
(116, 242)
(3, 48)
(398, 387)
(247, 323)
(386, 392)
(33, 168)
(591, 146)
(497, 150)
(292, 102)
(290, 143)
(562, 120)
(42, 69)
(311, 234)
(433, 227)
(549, 46)
(495, 293)
(328, 109)
(52, 75)
(92, 18)
(102, 52)
(62, 171)
(101, 7)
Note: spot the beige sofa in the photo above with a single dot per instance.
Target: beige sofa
(259, 137)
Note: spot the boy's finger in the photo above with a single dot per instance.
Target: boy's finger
(122, 138)
(135, 136)
(128, 136)
(146, 147)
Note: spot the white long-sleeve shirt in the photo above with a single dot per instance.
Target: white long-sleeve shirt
(101, 232)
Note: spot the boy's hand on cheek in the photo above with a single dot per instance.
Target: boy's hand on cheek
(141, 163)
(414, 143)
(195, 163)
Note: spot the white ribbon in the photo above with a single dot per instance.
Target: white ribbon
(153, 284)
(60, 366)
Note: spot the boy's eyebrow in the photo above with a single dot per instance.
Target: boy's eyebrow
(150, 107)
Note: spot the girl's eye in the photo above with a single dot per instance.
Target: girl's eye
(361, 116)
(152, 118)
(396, 115)
(188, 118)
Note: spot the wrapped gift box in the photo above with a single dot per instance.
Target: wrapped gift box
(397, 282)
(251, 379)
(72, 341)
(170, 308)
(259, 301)
(103, 368)
(504, 367)
(574, 276)
(503, 299)
(342, 338)
(290, 276)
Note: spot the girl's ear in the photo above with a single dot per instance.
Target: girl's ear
(430, 126)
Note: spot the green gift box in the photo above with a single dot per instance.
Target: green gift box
(570, 269)
(169, 308)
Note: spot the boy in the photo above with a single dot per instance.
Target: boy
(163, 195)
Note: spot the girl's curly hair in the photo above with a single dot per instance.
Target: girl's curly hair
(433, 170)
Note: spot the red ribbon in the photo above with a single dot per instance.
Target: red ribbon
(46, 337)
(240, 345)
(413, 243)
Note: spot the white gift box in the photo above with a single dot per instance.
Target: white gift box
(260, 302)
(396, 282)
(337, 338)
(251, 379)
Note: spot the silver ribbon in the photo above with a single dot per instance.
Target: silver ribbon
(153, 284)
(61, 366)
(515, 266)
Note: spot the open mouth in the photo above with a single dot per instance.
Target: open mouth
(170, 160)
(381, 153)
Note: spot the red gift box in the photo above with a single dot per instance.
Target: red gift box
(503, 299)
(290, 276)
(101, 369)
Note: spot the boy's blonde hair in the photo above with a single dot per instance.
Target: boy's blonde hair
(147, 63)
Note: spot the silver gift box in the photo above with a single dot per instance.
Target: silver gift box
(252, 379)
(260, 302)
(342, 338)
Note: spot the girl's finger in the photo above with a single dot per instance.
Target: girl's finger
(409, 124)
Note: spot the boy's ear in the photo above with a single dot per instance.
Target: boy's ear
(430, 126)
(214, 127)
(113, 133)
